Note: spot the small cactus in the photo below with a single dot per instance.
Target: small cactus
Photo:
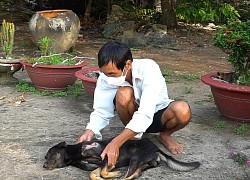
(7, 37)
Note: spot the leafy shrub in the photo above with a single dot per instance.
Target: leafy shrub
(234, 39)
(198, 11)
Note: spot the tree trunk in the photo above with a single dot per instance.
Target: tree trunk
(168, 13)
(87, 12)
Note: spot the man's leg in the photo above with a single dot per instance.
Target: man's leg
(174, 118)
(125, 104)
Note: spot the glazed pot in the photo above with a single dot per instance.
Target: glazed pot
(52, 77)
(233, 101)
(60, 25)
(89, 78)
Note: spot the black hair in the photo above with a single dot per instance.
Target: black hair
(116, 52)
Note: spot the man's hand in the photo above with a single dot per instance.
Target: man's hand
(112, 151)
(87, 135)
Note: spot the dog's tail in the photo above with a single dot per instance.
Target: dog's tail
(178, 165)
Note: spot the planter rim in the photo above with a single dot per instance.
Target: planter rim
(7, 61)
(53, 10)
(84, 63)
(207, 79)
(81, 74)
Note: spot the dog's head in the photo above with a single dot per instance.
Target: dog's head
(56, 157)
(92, 149)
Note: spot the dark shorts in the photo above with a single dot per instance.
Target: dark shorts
(157, 126)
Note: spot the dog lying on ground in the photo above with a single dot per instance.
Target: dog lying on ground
(62, 155)
(138, 155)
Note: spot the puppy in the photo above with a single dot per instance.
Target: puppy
(138, 155)
(62, 155)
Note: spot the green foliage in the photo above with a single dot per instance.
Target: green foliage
(189, 77)
(7, 37)
(188, 90)
(72, 91)
(242, 129)
(234, 39)
(147, 14)
(240, 158)
(50, 58)
(198, 11)
(140, 13)
(45, 45)
(220, 125)
(168, 75)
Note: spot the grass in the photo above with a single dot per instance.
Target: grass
(189, 77)
(171, 77)
(242, 129)
(188, 90)
(168, 75)
(220, 125)
(72, 91)
(239, 158)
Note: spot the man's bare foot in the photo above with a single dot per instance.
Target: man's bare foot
(172, 146)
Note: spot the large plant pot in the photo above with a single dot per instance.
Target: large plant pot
(51, 77)
(89, 78)
(233, 101)
(60, 25)
(8, 67)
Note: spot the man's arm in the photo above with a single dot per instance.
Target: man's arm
(112, 149)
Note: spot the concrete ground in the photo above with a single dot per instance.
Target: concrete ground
(28, 130)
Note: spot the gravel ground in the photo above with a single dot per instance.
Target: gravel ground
(28, 130)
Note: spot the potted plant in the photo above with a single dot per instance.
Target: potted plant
(231, 90)
(52, 71)
(8, 64)
(89, 78)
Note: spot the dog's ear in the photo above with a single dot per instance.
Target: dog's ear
(61, 144)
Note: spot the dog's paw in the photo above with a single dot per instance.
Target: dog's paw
(96, 174)
(113, 174)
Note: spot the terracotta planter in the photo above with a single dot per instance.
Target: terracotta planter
(8, 67)
(60, 25)
(50, 77)
(89, 83)
(233, 101)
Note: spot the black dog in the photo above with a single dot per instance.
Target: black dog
(62, 155)
(138, 155)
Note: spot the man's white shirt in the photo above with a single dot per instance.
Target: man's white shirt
(150, 91)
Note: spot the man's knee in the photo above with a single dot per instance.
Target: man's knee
(124, 96)
(182, 112)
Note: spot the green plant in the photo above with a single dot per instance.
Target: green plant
(240, 158)
(234, 39)
(188, 90)
(48, 57)
(168, 75)
(241, 129)
(198, 11)
(72, 91)
(220, 125)
(45, 45)
(7, 37)
(189, 77)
